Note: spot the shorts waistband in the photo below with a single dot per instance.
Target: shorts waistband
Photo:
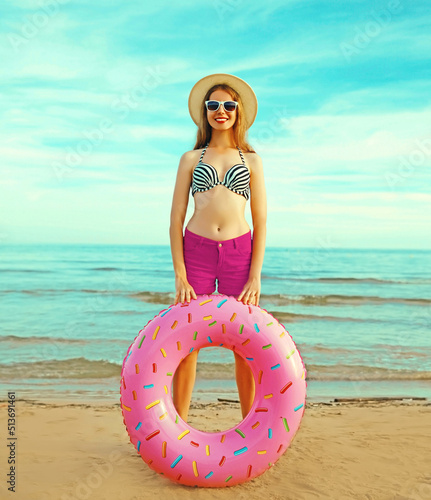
(232, 242)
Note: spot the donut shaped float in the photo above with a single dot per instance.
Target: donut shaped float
(212, 459)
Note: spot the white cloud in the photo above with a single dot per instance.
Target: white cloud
(326, 151)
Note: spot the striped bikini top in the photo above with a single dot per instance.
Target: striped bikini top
(237, 178)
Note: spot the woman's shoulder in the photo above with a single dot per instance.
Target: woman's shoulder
(192, 155)
(252, 158)
(188, 160)
(251, 154)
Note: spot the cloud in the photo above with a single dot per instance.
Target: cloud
(334, 135)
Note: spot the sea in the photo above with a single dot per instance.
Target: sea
(361, 319)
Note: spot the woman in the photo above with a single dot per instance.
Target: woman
(217, 242)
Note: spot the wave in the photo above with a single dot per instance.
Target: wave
(283, 299)
(167, 298)
(362, 372)
(346, 280)
(283, 317)
(40, 340)
(75, 368)
(356, 280)
(338, 372)
(82, 368)
(106, 269)
(390, 351)
(324, 300)
(154, 297)
(42, 271)
(49, 271)
(163, 298)
(375, 351)
(42, 291)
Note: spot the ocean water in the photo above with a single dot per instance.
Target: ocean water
(361, 319)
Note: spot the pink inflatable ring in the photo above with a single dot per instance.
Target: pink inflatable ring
(213, 459)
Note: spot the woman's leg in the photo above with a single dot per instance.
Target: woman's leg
(245, 384)
(184, 381)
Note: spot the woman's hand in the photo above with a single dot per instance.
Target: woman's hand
(184, 291)
(251, 292)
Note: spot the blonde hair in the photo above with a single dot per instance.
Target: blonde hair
(203, 135)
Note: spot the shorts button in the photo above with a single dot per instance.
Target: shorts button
(219, 245)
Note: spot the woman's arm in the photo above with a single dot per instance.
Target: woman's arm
(180, 201)
(259, 213)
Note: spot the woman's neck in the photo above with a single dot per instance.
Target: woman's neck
(222, 139)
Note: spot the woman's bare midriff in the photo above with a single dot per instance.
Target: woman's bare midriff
(219, 214)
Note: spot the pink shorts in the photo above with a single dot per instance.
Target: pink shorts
(228, 261)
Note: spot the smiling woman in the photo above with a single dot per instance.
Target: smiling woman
(217, 245)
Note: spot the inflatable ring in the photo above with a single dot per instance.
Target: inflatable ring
(212, 459)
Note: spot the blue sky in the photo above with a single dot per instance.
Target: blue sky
(95, 118)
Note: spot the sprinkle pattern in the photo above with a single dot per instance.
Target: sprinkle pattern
(173, 448)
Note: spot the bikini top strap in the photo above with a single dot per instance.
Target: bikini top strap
(203, 152)
(205, 148)
(242, 156)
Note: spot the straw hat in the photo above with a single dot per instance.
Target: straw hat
(201, 87)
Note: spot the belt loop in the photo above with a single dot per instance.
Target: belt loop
(235, 243)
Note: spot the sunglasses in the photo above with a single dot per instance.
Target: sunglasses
(228, 105)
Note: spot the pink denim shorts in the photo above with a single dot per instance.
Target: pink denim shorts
(227, 261)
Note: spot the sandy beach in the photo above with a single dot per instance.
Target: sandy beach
(350, 450)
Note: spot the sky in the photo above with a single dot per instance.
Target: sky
(95, 117)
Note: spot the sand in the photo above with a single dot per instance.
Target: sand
(361, 450)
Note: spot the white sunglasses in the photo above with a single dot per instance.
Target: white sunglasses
(229, 106)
